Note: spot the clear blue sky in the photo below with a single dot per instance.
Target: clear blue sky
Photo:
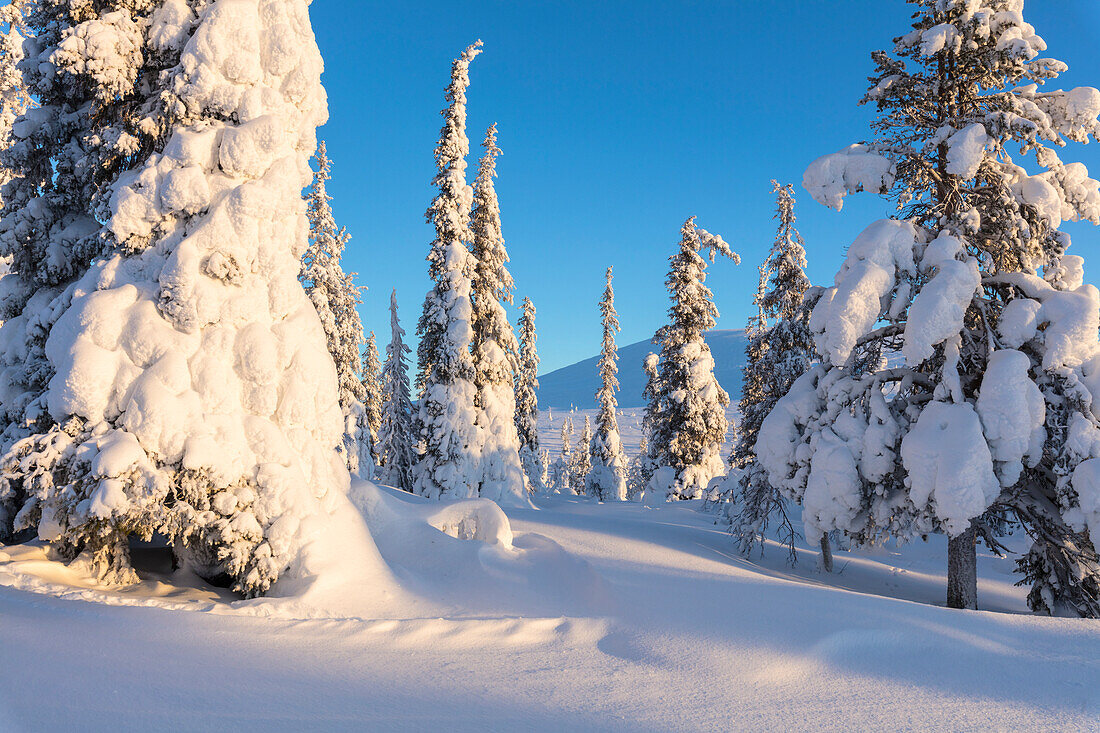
(618, 120)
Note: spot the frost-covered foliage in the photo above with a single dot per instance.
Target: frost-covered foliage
(780, 349)
(372, 397)
(15, 99)
(394, 445)
(446, 431)
(336, 297)
(527, 404)
(164, 371)
(638, 471)
(686, 412)
(754, 376)
(57, 161)
(561, 470)
(956, 385)
(500, 473)
(607, 479)
(580, 464)
(544, 469)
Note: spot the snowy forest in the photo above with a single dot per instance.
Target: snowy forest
(227, 498)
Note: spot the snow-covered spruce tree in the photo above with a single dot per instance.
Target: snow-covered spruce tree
(686, 414)
(645, 464)
(754, 378)
(639, 471)
(500, 473)
(446, 429)
(581, 464)
(562, 467)
(336, 298)
(451, 208)
(15, 99)
(956, 386)
(189, 388)
(544, 469)
(372, 397)
(57, 162)
(607, 479)
(779, 351)
(395, 427)
(527, 400)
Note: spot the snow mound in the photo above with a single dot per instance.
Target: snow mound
(380, 554)
(462, 559)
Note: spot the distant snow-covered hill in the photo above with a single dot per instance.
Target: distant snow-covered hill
(576, 384)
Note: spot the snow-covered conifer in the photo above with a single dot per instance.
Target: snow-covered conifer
(581, 464)
(639, 471)
(15, 99)
(544, 470)
(527, 405)
(686, 414)
(336, 298)
(500, 473)
(607, 479)
(395, 429)
(754, 377)
(57, 162)
(372, 394)
(956, 386)
(446, 429)
(561, 470)
(173, 375)
(780, 349)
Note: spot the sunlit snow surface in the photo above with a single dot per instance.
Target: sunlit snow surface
(573, 616)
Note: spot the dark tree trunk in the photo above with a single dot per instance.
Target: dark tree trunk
(962, 570)
(826, 554)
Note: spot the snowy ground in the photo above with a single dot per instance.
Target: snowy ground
(646, 621)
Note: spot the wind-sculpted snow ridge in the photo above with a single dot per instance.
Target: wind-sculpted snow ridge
(382, 555)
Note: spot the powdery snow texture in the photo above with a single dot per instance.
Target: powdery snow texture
(204, 347)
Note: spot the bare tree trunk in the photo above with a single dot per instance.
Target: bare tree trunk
(962, 570)
(826, 554)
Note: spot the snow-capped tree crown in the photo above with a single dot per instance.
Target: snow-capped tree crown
(693, 311)
(957, 98)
